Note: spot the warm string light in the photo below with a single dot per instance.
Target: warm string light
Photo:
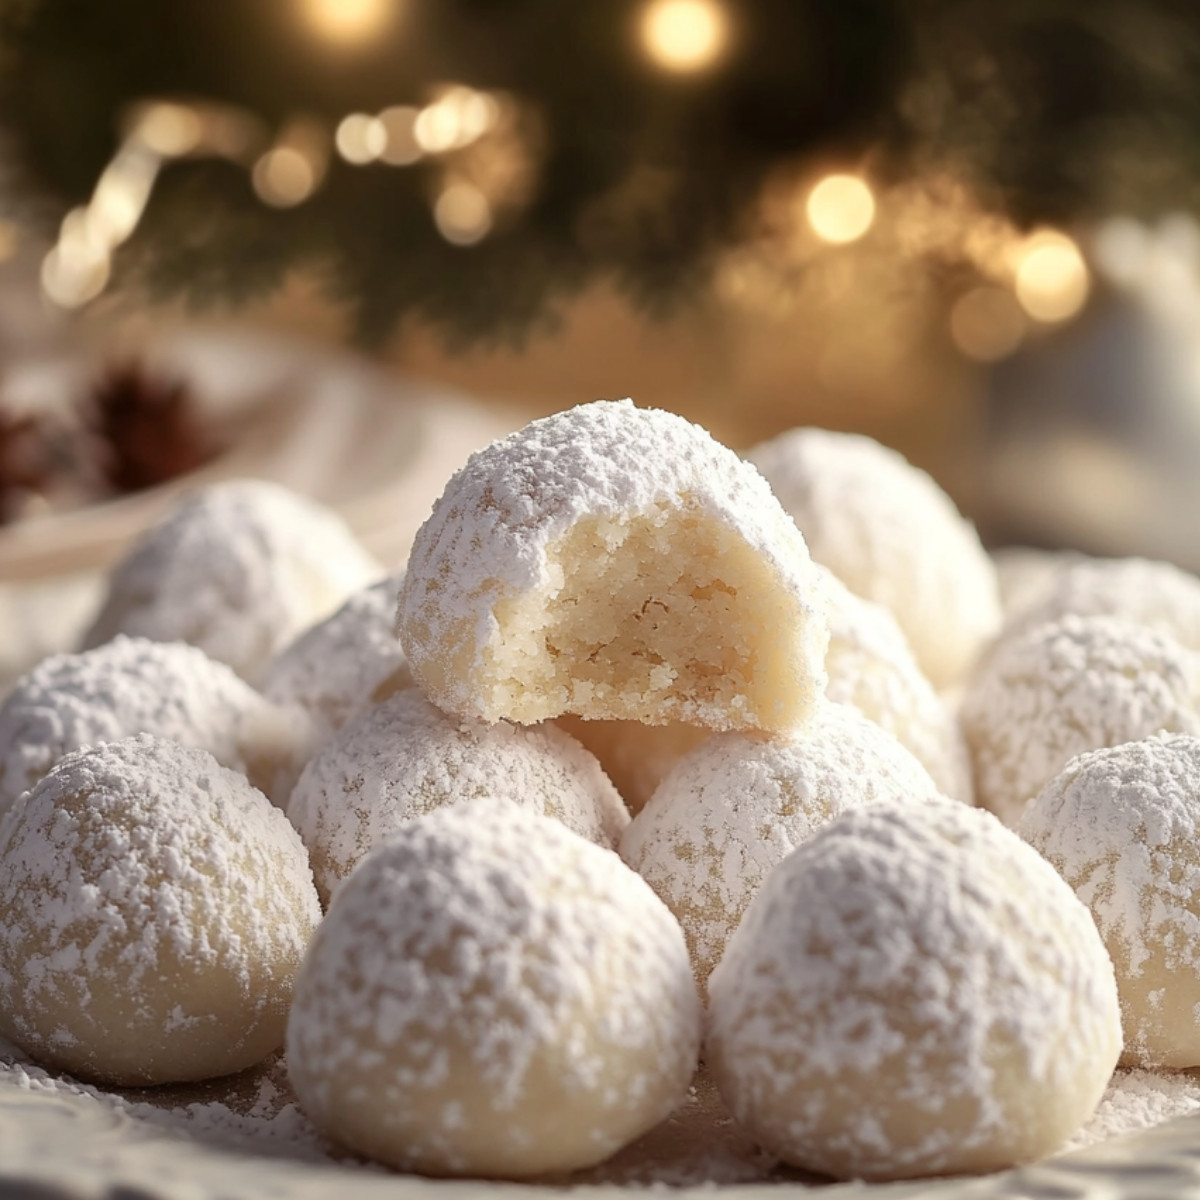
(1021, 280)
(477, 134)
(840, 208)
(348, 22)
(78, 266)
(684, 37)
(987, 323)
(1050, 276)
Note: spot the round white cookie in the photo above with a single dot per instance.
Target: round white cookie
(871, 668)
(490, 994)
(1060, 689)
(239, 568)
(892, 535)
(617, 563)
(1122, 827)
(154, 909)
(131, 685)
(404, 757)
(736, 805)
(913, 992)
(340, 666)
(1158, 595)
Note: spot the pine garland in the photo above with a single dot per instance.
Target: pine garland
(1049, 111)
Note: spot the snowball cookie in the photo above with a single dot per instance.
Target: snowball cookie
(1156, 594)
(239, 568)
(737, 805)
(131, 685)
(913, 992)
(491, 994)
(404, 757)
(341, 665)
(617, 563)
(890, 533)
(1078, 684)
(1027, 575)
(871, 667)
(154, 909)
(1122, 826)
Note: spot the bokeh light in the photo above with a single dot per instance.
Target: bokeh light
(1051, 277)
(361, 138)
(987, 323)
(463, 214)
(400, 147)
(684, 36)
(284, 177)
(841, 208)
(169, 130)
(348, 22)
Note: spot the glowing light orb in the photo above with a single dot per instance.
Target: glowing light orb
(400, 146)
(987, 324)
(348, 22)
(462, 214)
(1052, 280)
(684, 36)
(841, 208)
(361, 138)
(283, 177)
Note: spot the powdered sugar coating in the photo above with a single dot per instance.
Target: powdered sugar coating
(892, 535)
(692, 532)
(1122, 827)
(1158, 595)
(913, 992)
(872, 668)
(339, 666)
(404, 757)
(154, 908)
(239, 568)
(1073, 685)
(491, 994)
(1027, 575)
(131, 685)
(736, 806)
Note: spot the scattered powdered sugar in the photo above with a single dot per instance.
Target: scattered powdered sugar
(132, 685)
(1060, 689)
(1136, 1100)
(892, 535)
(491, 993)
(735, 806)
(252, 1112)
(913, 991)
(404, 757)
(153, 910)
(490, 533)
(239, 568)
(698, 1145)
(334, 668)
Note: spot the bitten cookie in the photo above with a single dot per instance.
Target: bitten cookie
(614, 562)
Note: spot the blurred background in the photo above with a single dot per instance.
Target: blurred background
(342, 242)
